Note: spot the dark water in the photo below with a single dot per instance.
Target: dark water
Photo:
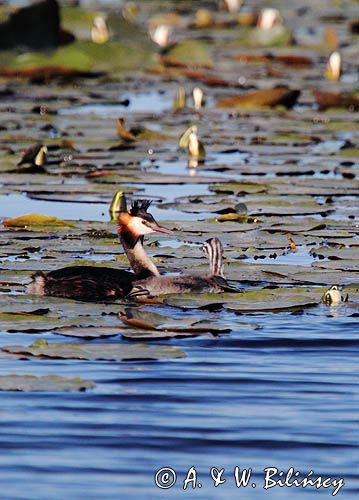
(280, 396)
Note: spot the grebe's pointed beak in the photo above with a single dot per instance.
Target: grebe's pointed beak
(158, 229)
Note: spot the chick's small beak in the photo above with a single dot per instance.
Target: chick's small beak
(159, 229)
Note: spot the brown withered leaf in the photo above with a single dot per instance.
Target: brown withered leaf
(135, 322)
(159, 326)
(211, 81)
(327, 100)
(122, 132)
(46, 73)
(294, 60)
(191, 74)
(331, 37)
(279, 96)
(251, 58)
(172, 63)
(287, 59)
(168, 72)
(247, 18)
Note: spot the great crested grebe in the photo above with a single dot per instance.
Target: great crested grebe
(90, 283)
(214, 282)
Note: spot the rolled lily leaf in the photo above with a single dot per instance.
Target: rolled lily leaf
(184, 139)
(180, 99)
(118, 205)
(122, 132)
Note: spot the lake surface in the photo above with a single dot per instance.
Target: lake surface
(285, 395)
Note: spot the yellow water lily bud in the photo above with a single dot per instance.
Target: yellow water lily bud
(40, 158)
(203, 18)
(334, 66)
(180, 100)
(268, 18)
(99, 31)
(333, 296)
(195, 146)
(197, 98)
(161, 35)
(233, 5)
(130, 11)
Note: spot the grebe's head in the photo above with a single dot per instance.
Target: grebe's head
(137, 222)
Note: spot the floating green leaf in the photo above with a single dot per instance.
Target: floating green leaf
(36, 220)
(191, 53)
(45, 383)
(105, 352)
(251, 301)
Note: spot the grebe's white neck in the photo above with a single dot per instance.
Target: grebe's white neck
(139, 261)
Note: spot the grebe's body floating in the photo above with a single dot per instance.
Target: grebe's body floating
(89, 283)
(214, 282)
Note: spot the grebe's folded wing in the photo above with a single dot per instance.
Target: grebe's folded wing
(103, 273)
(84, 283)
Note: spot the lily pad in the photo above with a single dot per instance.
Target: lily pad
(35, 220)
(150, 325)
(277, 36)
(164, 334)
(250, 301)
(106, 352)
(239, 187)
(191, 53)
(46, 383)
(89, 332)
(84, 56)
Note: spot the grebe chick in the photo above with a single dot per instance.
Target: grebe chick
(90, 283)
(214, 282)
